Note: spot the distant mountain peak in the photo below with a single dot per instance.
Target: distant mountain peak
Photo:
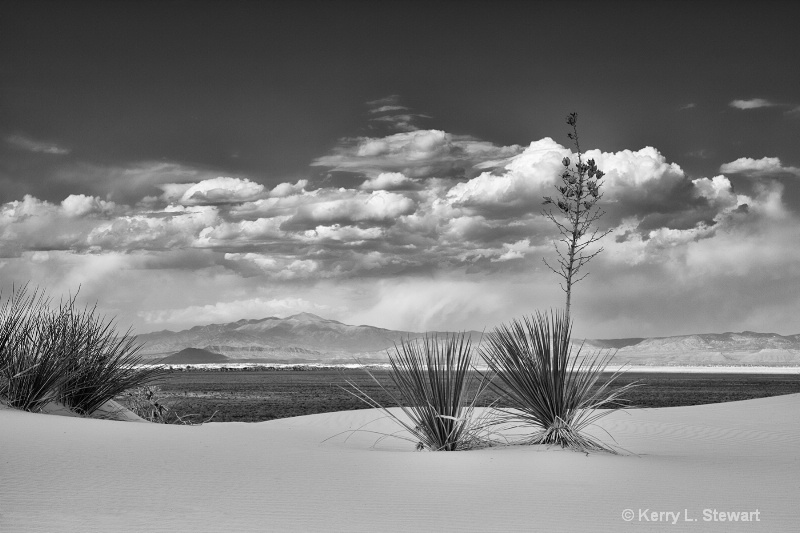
(305, 316)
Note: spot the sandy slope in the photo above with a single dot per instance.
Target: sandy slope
(71, 474)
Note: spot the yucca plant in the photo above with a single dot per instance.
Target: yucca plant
(438, 392)
(547, 389)
(31, 367)
(100, 363)
(63, 354)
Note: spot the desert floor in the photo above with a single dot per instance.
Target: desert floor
(73, 474)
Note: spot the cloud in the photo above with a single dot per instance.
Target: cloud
(388, 181)
(442, 250)
(131, 183)
(766, 166)
(79, 205)
(521, 187)
(388, 225)
(416, 154)
(755, 103)
(175, 228)
(349, 207)
(515, 250)
(283, 190)
(388, 115)
(31, 224)
(220, 190)
(690, 105)
(388, 108)
(22, 142)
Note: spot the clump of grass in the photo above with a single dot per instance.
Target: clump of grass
(64, 354)
(546, 388)
(438, 392)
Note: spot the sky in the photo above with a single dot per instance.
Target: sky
(385, 163)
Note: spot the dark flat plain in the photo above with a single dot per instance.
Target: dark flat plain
(255, 396)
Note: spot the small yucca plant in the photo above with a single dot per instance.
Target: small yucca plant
(438, 392)
(547, 388)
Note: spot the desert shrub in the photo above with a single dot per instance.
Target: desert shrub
(438, 392)
(148, 402)
(60, 353)
(550, 391)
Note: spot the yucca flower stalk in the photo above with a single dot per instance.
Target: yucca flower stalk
(438, 392)
(546, 388)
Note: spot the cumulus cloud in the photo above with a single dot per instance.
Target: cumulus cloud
(288, 189)
(349, 207)
(395, 237)
(172, 229)
(388, 181)
(766, 166)
(526, 178)
(389, 224)
(31, 224)
(215, 191)
(79, 205)
(754, 103)
(22, 142)
(279, 267)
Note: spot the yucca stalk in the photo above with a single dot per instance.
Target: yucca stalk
(438, 392)
(546, 388)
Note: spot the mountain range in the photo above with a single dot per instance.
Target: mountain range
(308, 338)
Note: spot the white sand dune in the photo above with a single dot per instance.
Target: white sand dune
(73, 474)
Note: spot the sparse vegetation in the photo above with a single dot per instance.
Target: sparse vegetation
(149, 402)
(436, 391)
(549, 392)
(64, 354)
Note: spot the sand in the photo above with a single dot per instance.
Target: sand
(73, 474)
